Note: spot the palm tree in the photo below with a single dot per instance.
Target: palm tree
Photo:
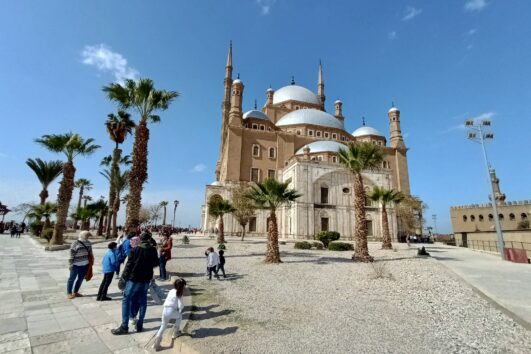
(43, 211)
(86, 199)
(122, 183)
(218, 208)
(270, 195)
(358, 157)
(84, 185)
(386, 196)
(101, 209)
(85, 215)
(46, 172)
(145, 99)
(71, 145)
(118, 127)
(164, 204)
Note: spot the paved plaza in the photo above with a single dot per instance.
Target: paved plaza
(36, 317)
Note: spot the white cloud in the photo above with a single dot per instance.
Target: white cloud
(265, 6)
(411, 13)
(104, 59)
(198, 168)
(475, 5)
(391, 35)
(472, 31)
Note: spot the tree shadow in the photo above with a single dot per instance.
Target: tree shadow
(187, 275)
(213, 332)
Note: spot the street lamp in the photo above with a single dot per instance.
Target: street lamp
(477, 134)
(175, 205)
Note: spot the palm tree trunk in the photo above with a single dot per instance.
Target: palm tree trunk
(164, 217)
(361, 251)
(43, 195)
(386, 242)
(243, 230)
(115, 170)
(221, 230)
(115, 208)
(138, 175)
(100, 224)
(78, 205)
(63, 202)
(46, 223)
(273, 252)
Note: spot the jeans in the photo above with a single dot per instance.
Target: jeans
(135, 299)
(168, 313)
(78, 272)
(222, 268)
(162, 267)
(106, 281)
(212, 269)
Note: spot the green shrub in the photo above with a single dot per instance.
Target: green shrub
(282, 242)
(35, 228)
(186, 240)
(340, 246)
(47, 234)
(222, 246)
(303, 245)
(318, 245)
(327, 236)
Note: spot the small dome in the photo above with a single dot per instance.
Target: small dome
(237, 81)
(270, 90)
(394, 109)
(255, 114)
(321, 146)
(365, 130)
(215, 183)
(310, 116)
(295, 93)
(338, 101)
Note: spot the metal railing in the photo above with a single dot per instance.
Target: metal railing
(492, 246)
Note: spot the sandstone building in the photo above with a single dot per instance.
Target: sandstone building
(294, 139)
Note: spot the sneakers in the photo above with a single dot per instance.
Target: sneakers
(78, 295)
(176, 334)
(156, 345)
(106, 298)
(132, 322)
(119, 331)
(71, 296)
(139, 329)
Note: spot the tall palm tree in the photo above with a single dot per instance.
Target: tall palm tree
(86, 199)
(164, 204)
(218, 208)
(84, 185)
(71, 145)
(118, 127)
(43, 211)
(358, 157)
(46, 172)
(85, 215)
(100, 206)
(122, 183)
(146, 100)
(270, 195)
(385, 197)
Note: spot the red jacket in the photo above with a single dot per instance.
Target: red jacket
(165, 250)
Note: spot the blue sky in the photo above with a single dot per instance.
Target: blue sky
(439, 61)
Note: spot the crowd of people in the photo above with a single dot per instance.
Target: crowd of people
(15, 229)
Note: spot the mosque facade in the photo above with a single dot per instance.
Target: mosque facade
(292, 138)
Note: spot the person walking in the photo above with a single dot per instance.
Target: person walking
(213, 262)
(172, 309)
(109, 265)
(124, 246)
(221, 265)
(138, 273)
(80, 254)
(165, 253)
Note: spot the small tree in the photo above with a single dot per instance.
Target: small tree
(154, 213)
(244, 207)
(217, 208)
(164, 204)
(385, 197)
(410, 215)
(24, 209)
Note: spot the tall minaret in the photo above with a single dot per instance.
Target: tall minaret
(225, 108)
(394, 126)
(498, 195)
(320, 87)
(235, 114)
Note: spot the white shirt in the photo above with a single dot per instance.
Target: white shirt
(213, 259)
(173, 301)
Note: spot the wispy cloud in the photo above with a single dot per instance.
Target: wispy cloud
(198, 168)
(391, 35)
(265, 6)
(104, 59)
(410, 13)
(472, 32)
(461, 126)
(475, 5)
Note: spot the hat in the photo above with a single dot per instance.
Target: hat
(145, 236)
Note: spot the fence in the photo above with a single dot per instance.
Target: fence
(492, 246)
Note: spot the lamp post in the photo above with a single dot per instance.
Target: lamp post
(479, 135)
(434, 218)
(175, 205)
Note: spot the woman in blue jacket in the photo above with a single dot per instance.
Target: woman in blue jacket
(110, 265)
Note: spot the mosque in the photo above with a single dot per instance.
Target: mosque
(294, 139)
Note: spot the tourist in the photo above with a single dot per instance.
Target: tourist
(80, 253)
(213, 262)
(124, 246)
(172, 309)
(138, 273)
(221, 265)
(165, 253)
(109, 265)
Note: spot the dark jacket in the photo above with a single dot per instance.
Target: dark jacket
(140, 263)
(221, 260)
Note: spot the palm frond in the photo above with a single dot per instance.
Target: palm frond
(46, 171)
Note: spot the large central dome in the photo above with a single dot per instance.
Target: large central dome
(295, 93)
(310, 116)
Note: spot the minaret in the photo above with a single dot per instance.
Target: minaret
(320, 87)
(397, 141)
(498, 195)
(269, 96)
(339, 110)
(225, 105)
(235, 114)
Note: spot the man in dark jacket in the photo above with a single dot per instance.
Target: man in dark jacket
(138, 273)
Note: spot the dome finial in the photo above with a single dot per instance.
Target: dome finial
(255, 106)
(392, 103)
(238, 76)
(292, 80)
(363, 121)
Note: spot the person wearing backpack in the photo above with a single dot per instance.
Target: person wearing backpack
(80, 257)
(124, 247)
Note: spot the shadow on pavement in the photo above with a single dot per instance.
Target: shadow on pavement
(213, 332)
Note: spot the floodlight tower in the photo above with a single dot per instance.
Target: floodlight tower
(477, 134)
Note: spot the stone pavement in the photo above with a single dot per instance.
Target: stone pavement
(506, 283)
(36, 317)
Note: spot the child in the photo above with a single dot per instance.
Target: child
(173, 306)
(110, 264)
(221, 265)
(213, 262)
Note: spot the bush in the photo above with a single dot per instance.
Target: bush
(340, 246)
(35, 228)
(522, 225)
(185, 240)
(327, 236)
(282, 242)
(318, 245)
(47, 234)
(303, 245)
(222, 246)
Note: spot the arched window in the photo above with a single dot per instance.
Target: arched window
(256, 150)
(511, 217)
(334, 159)
(465, 218)
(272, 153)
(472, 218)
(491, 217)
(500, 216)
(523, 216)
(480, 217)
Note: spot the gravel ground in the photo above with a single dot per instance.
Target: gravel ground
(321, 302)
